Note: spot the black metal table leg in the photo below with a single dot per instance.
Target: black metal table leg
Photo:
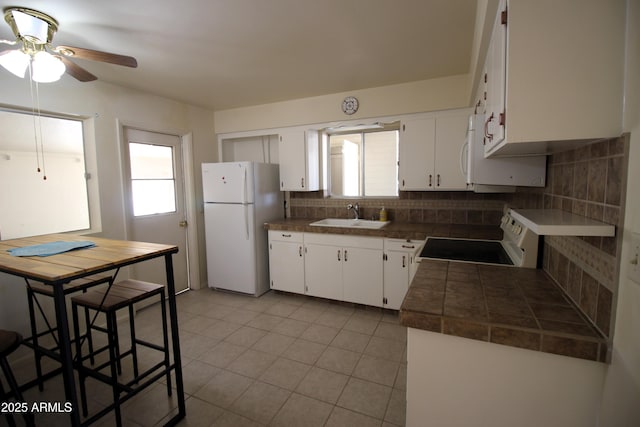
(65, 352)
(173, 315)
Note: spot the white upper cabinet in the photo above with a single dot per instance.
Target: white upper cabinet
(298, 152)
(431, 151)
(554, 75)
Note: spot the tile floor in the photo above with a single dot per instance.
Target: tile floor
(277, 360)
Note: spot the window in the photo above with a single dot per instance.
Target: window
(152, 179)
(32, 205)
(364, 164)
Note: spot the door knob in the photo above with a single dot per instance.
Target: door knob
(183, 223)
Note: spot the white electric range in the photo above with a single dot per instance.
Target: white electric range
(518, 247)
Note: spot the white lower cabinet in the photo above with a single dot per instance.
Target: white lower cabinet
(286, 261)
(346, 268)
(399, 268)
(364, 270)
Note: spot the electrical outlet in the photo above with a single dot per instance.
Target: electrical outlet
(634, 263)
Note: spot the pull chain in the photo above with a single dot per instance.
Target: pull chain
(37, 128)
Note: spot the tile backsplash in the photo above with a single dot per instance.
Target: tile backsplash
(589, 181)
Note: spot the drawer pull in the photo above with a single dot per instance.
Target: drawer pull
(286, 235)
(409, 246)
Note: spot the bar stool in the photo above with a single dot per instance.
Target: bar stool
(9, 342)
(33, 290)
(120, 295)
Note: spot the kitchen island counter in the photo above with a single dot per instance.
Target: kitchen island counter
(518, 307)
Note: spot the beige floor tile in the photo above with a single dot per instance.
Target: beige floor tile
(194, 345)
(285, 373)
(302, 411)
(365, 397)
(199, 413)
(397, 408)
(223, 389)
(246, 336)
(260, 402)
(338, 360)
(150, 406)
(304, 351)
(307, 313)
(333, 319)
(221, 329)
(195, 375)
(229, 419)
(266, 322)
(291, 327)
(320, 334)
(386, 349)
(273, 343)
(196, 324)
(252, 363)
(323, 385)
(222, 354)
(363, 324)
(379, 371)
(349, 340)
(281, 309)
(240, 316)
(401, 379)
(341, 417)
(391, 331)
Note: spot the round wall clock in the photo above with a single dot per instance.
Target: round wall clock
(350, 105)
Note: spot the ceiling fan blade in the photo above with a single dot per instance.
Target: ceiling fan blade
(76, 71)
(96, 55)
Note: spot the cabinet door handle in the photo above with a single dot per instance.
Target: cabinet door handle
(438, 181)
(339, 255)
(487, 135)
(345, 255)
(404, 261)
(430, 180)
(302, 182)
(300, 250)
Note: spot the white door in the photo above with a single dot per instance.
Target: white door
(323, 271)
(396, 278)
(293, 167)
(417, 148)
(451, 135)
(231, 246)
(155, 201)
(286, 266)
(362, 276)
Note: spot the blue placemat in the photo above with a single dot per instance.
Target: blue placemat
(50, 248)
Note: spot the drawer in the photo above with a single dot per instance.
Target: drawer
(286, 236)
(405, 245)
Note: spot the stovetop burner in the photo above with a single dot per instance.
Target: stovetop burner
(518, 247)
(482, 251)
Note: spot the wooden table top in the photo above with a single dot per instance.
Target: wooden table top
(107, 254)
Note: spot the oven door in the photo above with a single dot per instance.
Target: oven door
(466, 250)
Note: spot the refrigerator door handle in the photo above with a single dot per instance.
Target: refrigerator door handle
(244, 182)
(246, 220)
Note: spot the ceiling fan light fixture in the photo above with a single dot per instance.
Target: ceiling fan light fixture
(15, 61)
(46, 68)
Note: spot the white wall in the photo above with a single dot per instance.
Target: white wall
(621, 402)
(426, 95)
(109, 105)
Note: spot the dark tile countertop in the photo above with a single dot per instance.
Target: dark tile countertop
(395, 230)
(518, 307)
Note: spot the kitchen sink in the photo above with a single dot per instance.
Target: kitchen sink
(350, 223)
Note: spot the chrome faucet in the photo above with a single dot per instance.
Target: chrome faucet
(355, 208)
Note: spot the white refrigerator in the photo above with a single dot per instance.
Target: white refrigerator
(239, 197)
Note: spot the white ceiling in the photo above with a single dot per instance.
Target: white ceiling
(223, 54)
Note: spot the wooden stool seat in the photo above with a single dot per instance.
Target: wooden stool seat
(121, 295)
(9, 342)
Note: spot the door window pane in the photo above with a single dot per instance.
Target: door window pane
(152, 179)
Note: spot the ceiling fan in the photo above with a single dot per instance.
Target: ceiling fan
(34, 32)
